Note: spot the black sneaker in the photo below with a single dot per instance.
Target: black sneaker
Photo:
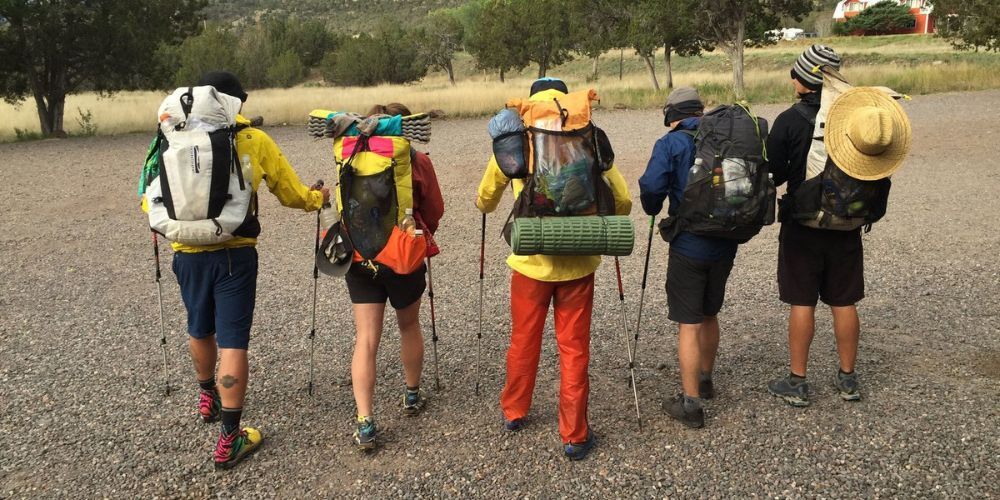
(706, 390)
(579, 451)
(364, 436)
(413, 402)
(794, 390)
(690, 414)
(847, 384)
(513, 425)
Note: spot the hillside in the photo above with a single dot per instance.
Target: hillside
(348, 16)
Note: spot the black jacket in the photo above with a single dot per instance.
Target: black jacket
(789, 141)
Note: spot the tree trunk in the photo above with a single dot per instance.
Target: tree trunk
(502, 80)
(451, 72)
(43, 115)
(666, 59)
(594, 76)
(737, 57)
(543, 67)
(621, 63)
(650, 65)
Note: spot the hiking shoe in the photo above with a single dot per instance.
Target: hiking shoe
(579, 451)
(413, 403)
(209, 406)
(847, 384)
(364, 435)
(794, 390)
(706, 389)
(513, 425)
(690, 414)
(233, 448)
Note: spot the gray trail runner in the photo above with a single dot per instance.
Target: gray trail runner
(159, 301)
(628, 348)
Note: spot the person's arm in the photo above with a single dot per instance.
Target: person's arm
(654, 185)
(282, 180)
(427, 190)
(619, 188)
(777, 150)
(491, 188)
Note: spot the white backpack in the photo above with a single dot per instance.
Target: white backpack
(201, 195)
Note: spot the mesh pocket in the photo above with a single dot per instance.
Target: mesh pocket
(370, 211)
(564, 173)
(511, 153)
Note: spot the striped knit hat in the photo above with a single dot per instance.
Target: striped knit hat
(817, 55)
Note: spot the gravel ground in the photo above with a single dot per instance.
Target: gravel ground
(84, 414)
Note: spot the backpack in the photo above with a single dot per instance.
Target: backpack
(729, 192)
(565, 156)
(198, 194)
(828, 198)
(375, 189)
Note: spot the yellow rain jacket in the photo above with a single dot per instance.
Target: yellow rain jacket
(548, 267)
(268, 164)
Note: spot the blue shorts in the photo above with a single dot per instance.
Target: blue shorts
(219, 290)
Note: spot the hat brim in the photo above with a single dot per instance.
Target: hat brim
(847, 157)
(334, 267)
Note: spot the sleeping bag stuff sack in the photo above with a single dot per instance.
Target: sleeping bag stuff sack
(566, 160)
(830, 197)
(375, 189)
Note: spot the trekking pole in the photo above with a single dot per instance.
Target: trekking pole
(434, 335)
(312, 331)
(479, 336)
(628, 348)
(642, 293)
(159, 300)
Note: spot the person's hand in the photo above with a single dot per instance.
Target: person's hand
(326, 194)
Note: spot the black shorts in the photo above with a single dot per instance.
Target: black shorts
(820, 264)
(402, 290)
(695, 288)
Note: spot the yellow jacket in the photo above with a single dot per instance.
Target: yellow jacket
(547, 267)
(268, 164)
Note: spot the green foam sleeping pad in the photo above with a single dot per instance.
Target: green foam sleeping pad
(578, 235)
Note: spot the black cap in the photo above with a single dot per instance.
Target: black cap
(224, 82)
(542, 84)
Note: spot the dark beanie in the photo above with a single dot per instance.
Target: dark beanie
(813, 57)
(224, 82)
(543, 84)
(683, 102)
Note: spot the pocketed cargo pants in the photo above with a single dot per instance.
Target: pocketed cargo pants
(573, 302)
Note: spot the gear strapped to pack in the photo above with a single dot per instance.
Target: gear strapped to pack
(196, 192)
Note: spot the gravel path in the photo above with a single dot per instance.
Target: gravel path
(83, 411)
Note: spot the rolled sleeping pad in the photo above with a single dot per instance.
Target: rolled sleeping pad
(577, 235)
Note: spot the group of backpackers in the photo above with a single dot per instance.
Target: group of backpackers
(718, 171)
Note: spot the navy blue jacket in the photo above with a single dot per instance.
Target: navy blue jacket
(665, 177)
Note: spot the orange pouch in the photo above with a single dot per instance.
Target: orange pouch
(403, 253)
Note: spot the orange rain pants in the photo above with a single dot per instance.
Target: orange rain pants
(573, 302)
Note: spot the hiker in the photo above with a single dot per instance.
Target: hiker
(370, 283)
(820, 254)
(218, 281)
(565, 281)
(712, 168)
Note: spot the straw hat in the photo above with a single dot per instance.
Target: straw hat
(868, 134)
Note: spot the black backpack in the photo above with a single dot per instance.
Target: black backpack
(729, 192)
(831, 199)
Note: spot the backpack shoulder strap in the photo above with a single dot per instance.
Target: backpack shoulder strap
(806, 111)
(692, 133)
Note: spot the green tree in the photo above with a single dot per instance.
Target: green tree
(286, 70)
(652, 24)
(969, 24)
(879, 19)
(52, 48)
(440, 36)
(545, 27)
(387, 56)
(734, 24)
(596, 25)
(213, 49)
(496, 40)
(310, 40)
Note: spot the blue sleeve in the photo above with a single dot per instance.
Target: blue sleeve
(654, 185)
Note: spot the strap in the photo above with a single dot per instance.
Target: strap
(806, 112)
(187, 103)
(692, 133)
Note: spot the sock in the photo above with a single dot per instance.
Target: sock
(796, 378)
(413, 389)
(207, 385)
(842, 372)
(231, 420)
(691, 403)
(702, 377)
